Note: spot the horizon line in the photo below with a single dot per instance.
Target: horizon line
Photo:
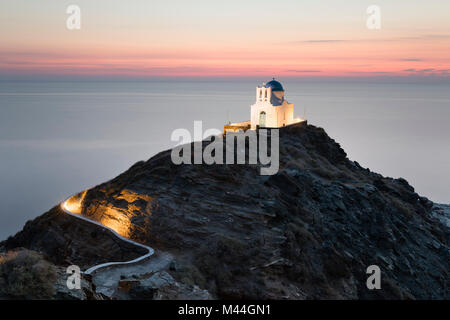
(434, 78)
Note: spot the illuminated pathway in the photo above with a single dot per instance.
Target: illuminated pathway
(74, 210)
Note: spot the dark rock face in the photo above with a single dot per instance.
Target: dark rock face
(66, 240)
(160, 286)
(308, 232)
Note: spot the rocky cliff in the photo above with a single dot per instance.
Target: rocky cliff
(308, 232)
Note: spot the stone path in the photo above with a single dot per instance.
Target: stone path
(106, 280)
(107, 275)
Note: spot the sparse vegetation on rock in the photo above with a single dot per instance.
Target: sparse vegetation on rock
(25, 274)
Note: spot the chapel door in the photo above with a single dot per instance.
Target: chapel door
(262, 119)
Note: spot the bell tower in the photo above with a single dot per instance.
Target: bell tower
(263, 93)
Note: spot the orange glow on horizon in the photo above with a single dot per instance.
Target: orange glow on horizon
(225, 39)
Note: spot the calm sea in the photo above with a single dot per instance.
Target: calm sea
(58, 138)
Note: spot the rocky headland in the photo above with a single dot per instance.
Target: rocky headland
(308, 232)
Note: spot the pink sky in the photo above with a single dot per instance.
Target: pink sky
(254, 38)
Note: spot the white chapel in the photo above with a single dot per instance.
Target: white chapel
(271, 110)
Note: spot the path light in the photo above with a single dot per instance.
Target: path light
(117, 221)
(75, 204)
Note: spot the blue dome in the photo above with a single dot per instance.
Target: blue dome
(275, 85)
